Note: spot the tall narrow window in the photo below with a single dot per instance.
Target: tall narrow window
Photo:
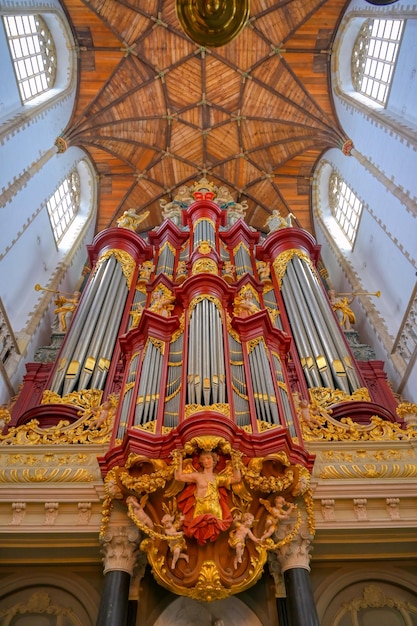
(345, 206)
(373, 58)
(33, 53)
(64, 204)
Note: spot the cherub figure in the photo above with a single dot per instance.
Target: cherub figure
(276, 221)
(238, 536)
(279, 511)
(228, 271)
(175, 537)
(101, 414)
(131, 220)
(181, 273)
(138, 511)
(308, 414)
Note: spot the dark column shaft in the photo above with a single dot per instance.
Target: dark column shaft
(282, 612)
(114, 599)
(300, 601)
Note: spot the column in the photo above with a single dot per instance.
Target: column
(120, 550)
(294, 561)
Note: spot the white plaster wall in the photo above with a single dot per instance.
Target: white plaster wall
(31, 170)
(383, 173)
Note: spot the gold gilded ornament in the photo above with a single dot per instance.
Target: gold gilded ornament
(125, 260)
(282, 260)
(191, 409)
(94, 425)
(205, 266)
(212, 23)
(182, 550)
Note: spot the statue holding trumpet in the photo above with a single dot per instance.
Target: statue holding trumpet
(65, 305)
(341, 305)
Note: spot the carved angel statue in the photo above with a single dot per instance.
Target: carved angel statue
(278, 511)
(240, 533)
(264, 270)
(341, 306)
(65, 307)
(244, 304)
(131, 220)
(172, 523)
(276, 221)
(161, 302)
(204, 501)
(145, 270)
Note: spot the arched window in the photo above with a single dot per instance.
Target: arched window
(345, 206)
(374, 56)
(64, 204)
(33, 52)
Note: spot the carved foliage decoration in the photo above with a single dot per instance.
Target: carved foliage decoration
(209, 516)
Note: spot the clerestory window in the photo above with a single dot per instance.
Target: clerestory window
(345, 206)
(374, 56)
(64, 205)
(33, 52)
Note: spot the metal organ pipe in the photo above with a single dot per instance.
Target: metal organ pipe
(306, 319)
(75, 351)
(206, 369)
(127, 397)
(105, 333)
(304, 348)
(332, 328)
(173, 388)
(204, 231)
(240, 392)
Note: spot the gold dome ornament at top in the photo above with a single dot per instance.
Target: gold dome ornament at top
(212, 23)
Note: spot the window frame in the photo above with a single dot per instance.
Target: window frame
(33, 53)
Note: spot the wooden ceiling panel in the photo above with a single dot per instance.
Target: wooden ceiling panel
(156, 111)
(183, 84)
(186, 142)
(239, 170)
(222, 84)
(165, 48)
(222, 141)
(128, 22)
(246, 50)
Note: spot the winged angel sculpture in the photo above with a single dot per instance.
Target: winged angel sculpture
(209, 516)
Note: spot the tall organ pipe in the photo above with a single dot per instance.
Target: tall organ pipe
(108, 320)
(110, 336)
(306, 319)
(332, 328)
(304, 348)
(83, 321)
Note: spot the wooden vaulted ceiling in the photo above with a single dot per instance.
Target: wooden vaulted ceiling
(156, 111)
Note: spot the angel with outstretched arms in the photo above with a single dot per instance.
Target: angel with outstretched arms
(204, 501)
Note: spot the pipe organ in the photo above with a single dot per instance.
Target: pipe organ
(207, 349)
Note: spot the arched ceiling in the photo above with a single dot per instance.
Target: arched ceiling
(156, 111)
